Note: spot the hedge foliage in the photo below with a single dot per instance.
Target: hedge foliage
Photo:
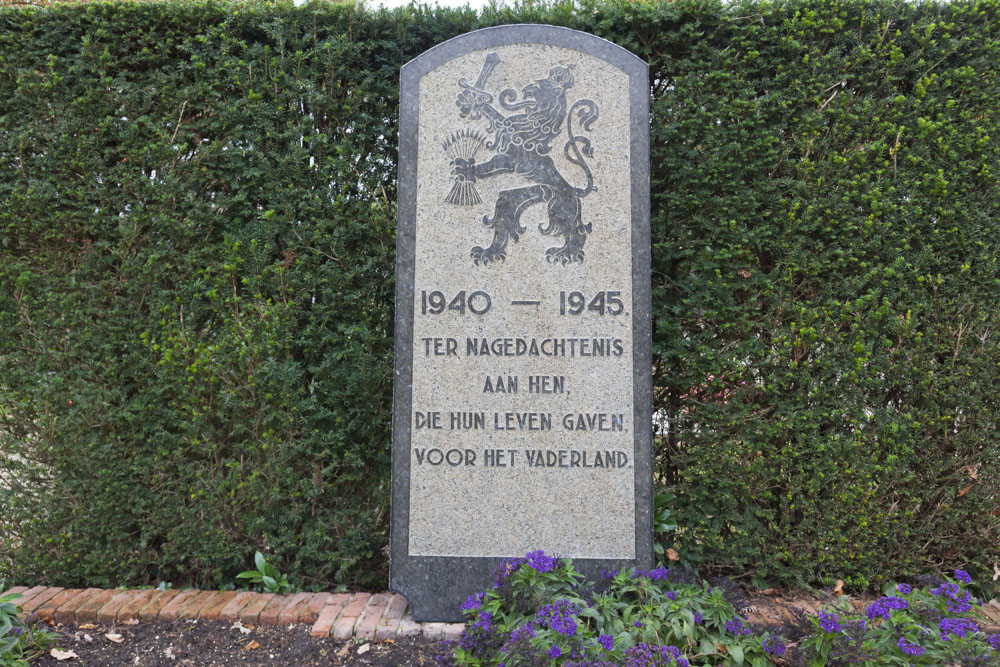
(196, 283)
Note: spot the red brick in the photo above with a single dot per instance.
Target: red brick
(453, 631)
(48, 608)
(193, 608)
(391, 618)
(37, 601)
(17, 590)
(130, 610)
(233, 608)
(408, 627)
(357, 604)
(27, 595)
(109, 612)
(169, 612)
(290, 614)
(157, 603)
(251, 612)
(371, 616)
(66, 613)
(327, 617)
(212, 609)
(310, 613)
(344, 628)
(87, 612)
(269, 615)
(433, 630)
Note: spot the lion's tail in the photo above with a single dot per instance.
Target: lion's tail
(578, 146)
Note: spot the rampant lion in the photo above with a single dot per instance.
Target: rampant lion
(522, 142)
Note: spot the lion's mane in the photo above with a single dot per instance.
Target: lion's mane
(537, 126)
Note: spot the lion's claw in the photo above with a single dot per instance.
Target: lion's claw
(564, 255)
(484, 256)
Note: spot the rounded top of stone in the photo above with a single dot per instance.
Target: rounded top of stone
(527, 33)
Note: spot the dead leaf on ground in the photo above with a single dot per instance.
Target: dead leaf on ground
(771, 591)
(972, 472)
(839, 588)
(745, 273)
(364, 649)
(86, 626)
(253, 645)
(673, 555)
(996, 570)
(342, 652)
(965, 490)
(245, 629)
(114, 637)
(130, 621)
(169, 652)
(60, 654)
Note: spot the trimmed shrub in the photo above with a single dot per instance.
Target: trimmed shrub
(197, 263)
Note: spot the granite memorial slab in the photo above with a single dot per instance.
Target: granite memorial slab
(523, 391)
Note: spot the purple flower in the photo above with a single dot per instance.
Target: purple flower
(773, 645)
(606, 641)
(505, 569)
(880, 608)
(555, 651)
(485, 621)
(538, 561)
(876, 610)
(698, 618)
(829, 622)
(959, 601)
(905, 589)
(909, 648)
(646, 655)
(995, 642)
(609, 574)
(474, 601)
(519, 638)
(671, 595)
(736, 627)
(963, 576)
(638, 624)
(956, 626)
(559, 616)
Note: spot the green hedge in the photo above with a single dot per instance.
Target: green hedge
(196, 283)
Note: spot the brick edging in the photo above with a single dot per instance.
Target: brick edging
(342, 616)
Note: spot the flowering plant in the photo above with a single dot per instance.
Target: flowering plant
(19, 642)
(541, 611)
(932, 625)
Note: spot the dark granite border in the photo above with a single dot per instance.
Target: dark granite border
(436, 586)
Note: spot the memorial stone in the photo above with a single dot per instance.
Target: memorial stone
(522, 404)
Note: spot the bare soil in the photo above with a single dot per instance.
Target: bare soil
(217, 643)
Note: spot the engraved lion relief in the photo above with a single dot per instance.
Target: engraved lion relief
(521, 143)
